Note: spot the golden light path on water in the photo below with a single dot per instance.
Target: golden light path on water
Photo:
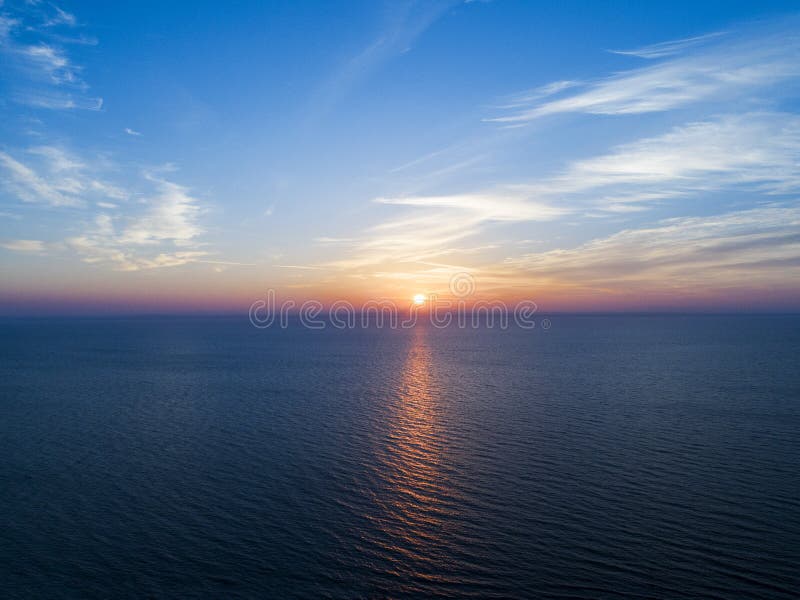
(415, 515)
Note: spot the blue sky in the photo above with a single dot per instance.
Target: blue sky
(590, 155)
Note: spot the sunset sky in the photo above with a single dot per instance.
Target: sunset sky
(589, 156)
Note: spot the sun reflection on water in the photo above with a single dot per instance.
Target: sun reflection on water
(415, 504)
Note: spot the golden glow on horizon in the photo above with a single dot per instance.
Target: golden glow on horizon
(419, 299)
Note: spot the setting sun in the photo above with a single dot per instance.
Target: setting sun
(419, 299)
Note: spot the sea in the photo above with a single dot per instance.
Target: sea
(609, 456)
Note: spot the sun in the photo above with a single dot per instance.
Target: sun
(419, 299)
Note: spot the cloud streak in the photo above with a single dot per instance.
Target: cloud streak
(30, 246)
(40, 72)
(719, 67)
(52, 176)
(757, 152)
(436, 224)
(404, 23)
(682, 256)
(670, 48)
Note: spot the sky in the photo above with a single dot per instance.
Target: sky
(588, 156)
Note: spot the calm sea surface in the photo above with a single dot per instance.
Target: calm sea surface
(608, 457)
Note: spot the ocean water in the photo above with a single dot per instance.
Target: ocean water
(608, 457)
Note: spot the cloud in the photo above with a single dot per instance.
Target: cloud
(44, 61)
(417, 161)
(301, 267)
(333, 240)
(57, 101)
(40, 73)
(51, 175)
(7, 24)
(683, 256)
(100, 250)
(35, 246)
(171, 216)
(163, 235)
(59, 160)
(550, 89)
(670, 48)
(497, 205)
(754, 154)
(60, 17)
(160, 230)
(28, 186)
(403, 24)
(719, 67)
(437, 223)
(758, 152)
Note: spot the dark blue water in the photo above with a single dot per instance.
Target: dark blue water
(609, 457)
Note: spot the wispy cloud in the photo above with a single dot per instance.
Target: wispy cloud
(670, 48)
(301, 267)
(104, 251)
(719, 68)
(171, 216)
(758, 152)
(721, 156)
(40, 71)
(526, 98)
(160, 229)
(683, 256)
(436, 225)
(163, 235)
(129, 220)
(60, 17)
(57, 101)
(28, 186)
(33, 246)
(498, 205)
(52, 175)
(403, 23)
